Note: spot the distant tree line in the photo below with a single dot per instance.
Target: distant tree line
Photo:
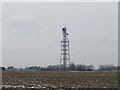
(71, 67)
(108, 67)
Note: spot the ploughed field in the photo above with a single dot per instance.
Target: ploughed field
(60, 79)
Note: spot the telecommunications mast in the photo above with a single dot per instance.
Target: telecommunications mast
(65, 56)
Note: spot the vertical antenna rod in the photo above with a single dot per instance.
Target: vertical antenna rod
(65, 56)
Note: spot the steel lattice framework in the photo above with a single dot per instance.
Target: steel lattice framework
(65, 56)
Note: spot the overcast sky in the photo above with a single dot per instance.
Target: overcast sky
(32, 33)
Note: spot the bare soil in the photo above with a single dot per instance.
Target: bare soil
(61, 79)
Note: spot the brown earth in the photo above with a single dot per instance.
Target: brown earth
(61, 79)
